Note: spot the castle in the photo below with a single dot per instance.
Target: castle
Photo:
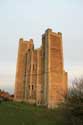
(40, 75)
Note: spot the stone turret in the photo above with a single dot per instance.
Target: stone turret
(20, 70)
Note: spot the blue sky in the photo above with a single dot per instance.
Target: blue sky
(29, 19)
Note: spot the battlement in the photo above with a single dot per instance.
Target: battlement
(48, 30)
(59, 33)
(27, 44)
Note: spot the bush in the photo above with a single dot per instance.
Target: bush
(74, 101)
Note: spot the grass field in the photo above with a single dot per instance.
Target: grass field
(12, 113)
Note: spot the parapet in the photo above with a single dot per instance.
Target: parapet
(59, 33)
(21, 40)
(31, 41)
(48, 30)
(28, 44)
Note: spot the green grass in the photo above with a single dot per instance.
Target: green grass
(12, 113)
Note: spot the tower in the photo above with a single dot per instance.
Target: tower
(40, 75)
(55, 78)
(21, 69)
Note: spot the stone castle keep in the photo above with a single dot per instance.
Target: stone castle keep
(40, 75)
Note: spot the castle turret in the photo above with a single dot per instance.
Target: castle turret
(19, 86)
(21, 69)
(54, 83)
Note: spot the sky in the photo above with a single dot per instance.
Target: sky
(29, 19)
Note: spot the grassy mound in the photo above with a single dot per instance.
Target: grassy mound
(12, 113)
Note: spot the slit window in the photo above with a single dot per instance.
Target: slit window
(32, 87)
(33, 67)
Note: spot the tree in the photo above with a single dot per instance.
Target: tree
(74, 101)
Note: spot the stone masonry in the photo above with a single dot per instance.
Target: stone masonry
(40, 75)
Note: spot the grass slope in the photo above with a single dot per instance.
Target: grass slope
(12, 113)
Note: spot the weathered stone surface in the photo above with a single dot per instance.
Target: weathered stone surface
(40, 75)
